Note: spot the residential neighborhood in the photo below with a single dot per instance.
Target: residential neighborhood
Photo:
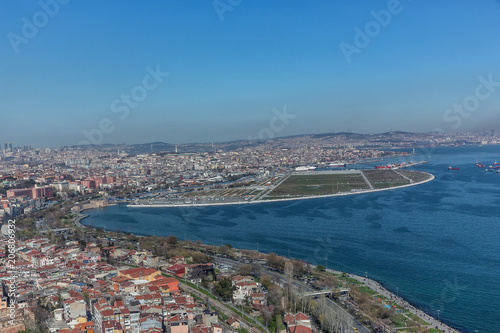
(82, 293)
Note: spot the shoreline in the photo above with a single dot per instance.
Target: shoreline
(431, 178)
(380, 289)
(368, 282)
(78, 220)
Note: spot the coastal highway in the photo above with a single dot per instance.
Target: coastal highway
(302, 286)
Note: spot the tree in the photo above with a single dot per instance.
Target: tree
(266, 281)
(274, 295)
(299, 267)
(61, 242)
(320, 268)
(200, 258)
(82, 244)
(266, 315)
(224, 288)
(59, 303)
(275, 261)
(289, 278)
(86, 298)
(244, 269)
(172, 240)
(330, 281)
(224, 249)
(256, 269)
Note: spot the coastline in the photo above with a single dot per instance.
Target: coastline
(79, 219)
(370, 283)
(377, 287)
(431, 177)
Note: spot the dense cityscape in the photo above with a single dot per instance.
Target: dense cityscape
(232, 166)
(60, 276)
(29, 176)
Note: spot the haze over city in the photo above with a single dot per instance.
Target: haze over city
(249, 166)
(361, 67)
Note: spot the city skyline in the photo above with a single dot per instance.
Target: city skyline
(220, 72)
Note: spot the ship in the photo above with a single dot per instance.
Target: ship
(337, 164)
(489, 170)
(395, 166)
(453, 168)
(305, 168)
(479, 165)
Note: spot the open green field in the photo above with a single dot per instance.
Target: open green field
(316, 184)
(385, 178)
(319, 184)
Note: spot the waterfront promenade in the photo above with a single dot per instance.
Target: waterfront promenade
(377, 287)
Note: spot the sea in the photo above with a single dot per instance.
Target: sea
(436, 244)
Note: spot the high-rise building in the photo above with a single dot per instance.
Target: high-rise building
(10, 146)
(492, 132)
(6, 147)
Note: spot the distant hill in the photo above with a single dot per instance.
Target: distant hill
(209, 147)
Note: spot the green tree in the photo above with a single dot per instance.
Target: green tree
(82, 244)
(320, 268)
(224, 288)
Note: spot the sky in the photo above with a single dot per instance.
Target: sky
(120, 71)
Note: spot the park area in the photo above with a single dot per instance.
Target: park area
(328, 183)
(319, 184)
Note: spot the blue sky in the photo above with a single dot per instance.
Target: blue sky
(229, 67)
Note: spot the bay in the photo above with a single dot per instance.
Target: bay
(437, 243)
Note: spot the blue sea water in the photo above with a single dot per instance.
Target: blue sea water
(437, 243)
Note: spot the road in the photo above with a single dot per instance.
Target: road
(301, 286)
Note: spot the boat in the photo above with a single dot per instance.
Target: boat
(489, 170)
(480, 165)
(496, 163)
(305, 168)
(453, 168)
(337, 164)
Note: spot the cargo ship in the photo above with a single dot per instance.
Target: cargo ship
(453, 168)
